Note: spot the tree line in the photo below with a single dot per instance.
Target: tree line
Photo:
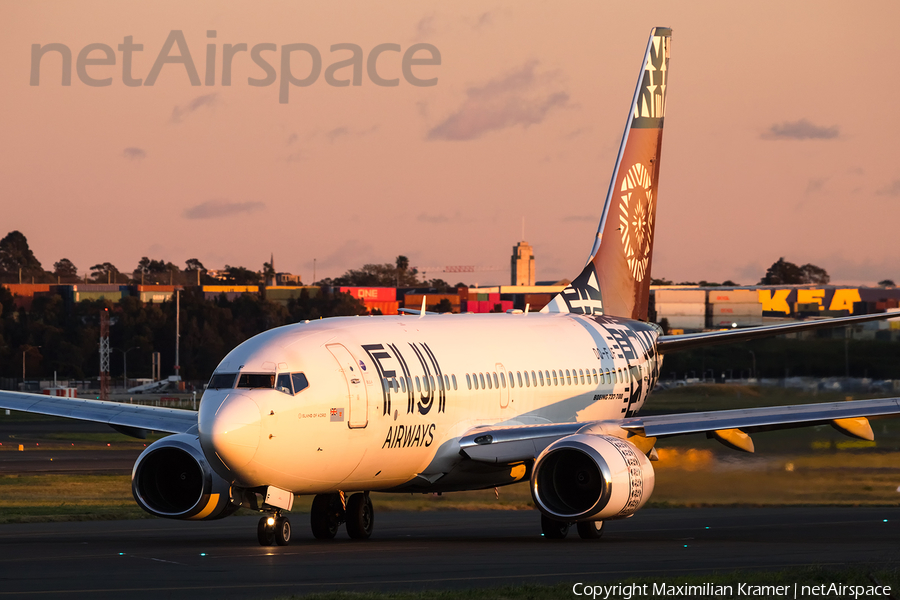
(19, 264)
(53, 335)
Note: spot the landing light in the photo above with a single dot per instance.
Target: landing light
(270, 521)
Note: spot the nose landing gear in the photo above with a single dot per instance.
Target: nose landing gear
(275, 529)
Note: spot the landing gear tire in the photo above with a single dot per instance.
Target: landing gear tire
(553, 529)
(590, 530)
(326, 516)
(282, 531)
(360, 517)
(264, 533)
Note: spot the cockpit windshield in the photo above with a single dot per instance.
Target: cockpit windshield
(256, 380)
(287, 383)
(223, 381)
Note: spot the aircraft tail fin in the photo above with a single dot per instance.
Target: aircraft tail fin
(616, 279)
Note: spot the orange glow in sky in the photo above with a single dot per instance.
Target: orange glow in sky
(780, 140)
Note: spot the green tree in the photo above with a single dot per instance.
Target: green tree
(107, 273)
(15, 255)
(65, 271)
(783, 272)
(240, 276)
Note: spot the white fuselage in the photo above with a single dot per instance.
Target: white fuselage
(388, 397)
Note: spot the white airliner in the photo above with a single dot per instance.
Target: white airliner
(341, 407)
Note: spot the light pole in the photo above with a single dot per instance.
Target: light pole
(753, 372)
(125, 364)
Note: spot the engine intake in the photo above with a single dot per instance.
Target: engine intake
(173, 479)
(585, 477)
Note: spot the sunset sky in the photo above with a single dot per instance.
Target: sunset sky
(780, 139)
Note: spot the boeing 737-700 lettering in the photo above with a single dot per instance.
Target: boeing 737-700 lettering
(341, 407)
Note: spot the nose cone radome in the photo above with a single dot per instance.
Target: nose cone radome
(230, 430)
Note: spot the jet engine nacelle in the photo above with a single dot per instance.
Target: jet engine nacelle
(173, 479)
(585, 477)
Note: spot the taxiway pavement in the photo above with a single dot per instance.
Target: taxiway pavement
(426, 550)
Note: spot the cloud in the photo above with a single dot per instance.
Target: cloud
(180, 112)
(336, 133)
(214, 209)
(815, 185)
(518, 98)
(800, 130)
(892, 189)
(425, 26)
(437, 219)
(132, 153)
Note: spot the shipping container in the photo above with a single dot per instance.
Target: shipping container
(680, 309)
(112, 296)
(375, 294)
(432, 300)
(733, 296)
(680, 297)
(26, 289)
(235, 289)
(729, 308)
(156, 297)
(100, 287)
(386, 308)
(157, 288)
(739, 320)
(688, 323)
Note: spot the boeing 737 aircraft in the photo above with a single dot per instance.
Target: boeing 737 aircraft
(341, 407)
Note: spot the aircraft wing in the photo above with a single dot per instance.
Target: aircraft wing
(131, 419)
(672, 343)
(516, 443)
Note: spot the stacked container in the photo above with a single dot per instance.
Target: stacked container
(683, 309)
(730, 308)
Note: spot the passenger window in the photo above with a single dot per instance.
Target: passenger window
(468, 381)
(503, 380)
(519, 377)
(222, 381)
(555, 380)
(489, 382)
(547, 373)
(481, 379)
(418, 385)
(454, 383)
(283, 384)
(299, 381)
(568, 378)
(446, 383)
(496, 382)
(402, 385)
(595, 377)
(541, 373)
(581, 375)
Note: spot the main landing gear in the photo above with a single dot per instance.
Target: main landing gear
(557, 530)
(329, 511)
(274, 529)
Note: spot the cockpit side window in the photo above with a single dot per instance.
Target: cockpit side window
(283, 384)
(300, 382)
(256, 380)
(222, 381)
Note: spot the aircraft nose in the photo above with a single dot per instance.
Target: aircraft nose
(231, 430)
